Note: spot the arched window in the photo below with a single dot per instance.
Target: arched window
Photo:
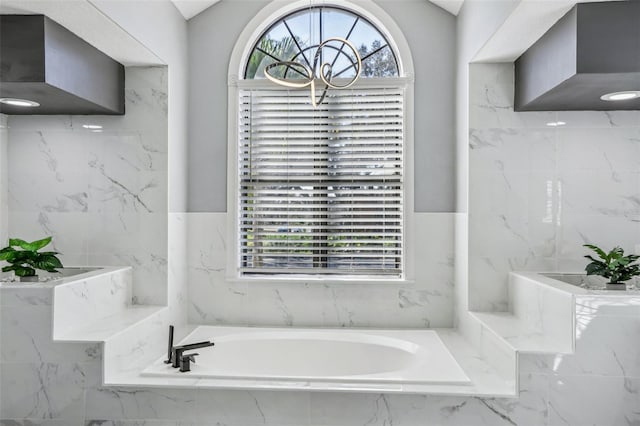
(297, 36)
(321, 185)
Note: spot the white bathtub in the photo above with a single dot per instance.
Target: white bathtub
(320, 355)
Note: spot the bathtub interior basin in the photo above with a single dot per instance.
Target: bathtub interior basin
(338, 356)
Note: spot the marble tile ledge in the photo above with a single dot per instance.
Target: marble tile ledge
(90, 304)
(561, 319)
(544, 309)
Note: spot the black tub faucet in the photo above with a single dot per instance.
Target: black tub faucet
(178, 351)
(175, 353)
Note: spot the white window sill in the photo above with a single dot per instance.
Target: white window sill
(308, 279)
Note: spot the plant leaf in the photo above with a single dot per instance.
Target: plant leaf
(24, 256)
(633, 257)
(32, 246)
(615, 265)
(17, 242)
(616, 253)
(21, 271)
(5, 253)
(598, 250)
(53, 260)
(594, 260)
(25, 262)
(38, 244)
(597, 268)
(47, 265)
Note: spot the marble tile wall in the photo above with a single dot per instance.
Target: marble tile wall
(542, 184)
(214, 299)
(41, 380)
(100, 192)
(177, 269)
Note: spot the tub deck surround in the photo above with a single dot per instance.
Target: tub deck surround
(484, 380)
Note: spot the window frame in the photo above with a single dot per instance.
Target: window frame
(244, 46)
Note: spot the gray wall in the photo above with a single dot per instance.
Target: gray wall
(4, 185)
(430, 32)
(212, 36)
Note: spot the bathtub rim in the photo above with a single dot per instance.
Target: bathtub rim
(457, 377)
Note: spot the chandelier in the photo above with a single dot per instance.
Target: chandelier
(323, 72)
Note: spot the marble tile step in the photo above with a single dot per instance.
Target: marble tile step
(521, 335)
(486, 380)
(102, 329)
(137, 346)
(89, 297)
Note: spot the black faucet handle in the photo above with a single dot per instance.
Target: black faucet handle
(190, 357)
(185, 362)
(169, 359)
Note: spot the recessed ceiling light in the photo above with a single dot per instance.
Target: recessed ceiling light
(92, 126)
(556, 123)
(621, 96)
(19, 102)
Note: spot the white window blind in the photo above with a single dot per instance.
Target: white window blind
(321, 189)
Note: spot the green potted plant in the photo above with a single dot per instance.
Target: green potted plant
(614, 266)
(24, 258)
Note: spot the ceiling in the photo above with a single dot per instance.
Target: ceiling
(190, 8)
(526, 23)
(84, 20)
